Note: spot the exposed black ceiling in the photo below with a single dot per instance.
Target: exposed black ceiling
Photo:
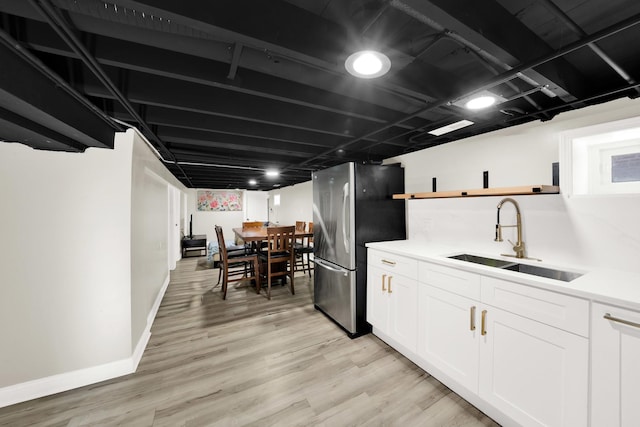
(228, 89)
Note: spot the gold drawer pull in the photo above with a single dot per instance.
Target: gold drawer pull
(386, 261)
(624, 322)
(390, 277)
(384, 276)
(472, 318)
(483, 326)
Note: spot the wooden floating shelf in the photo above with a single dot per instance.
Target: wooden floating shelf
(504, 191)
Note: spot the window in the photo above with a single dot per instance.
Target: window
(601, 159)
(612, 168)
(625, 167)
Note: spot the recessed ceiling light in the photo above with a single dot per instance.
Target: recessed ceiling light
(479, 100)
(252, 182)
(451, 127)
(367, 64)
(272, 173)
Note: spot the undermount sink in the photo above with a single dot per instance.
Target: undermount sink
(549, 273)
(491, 262)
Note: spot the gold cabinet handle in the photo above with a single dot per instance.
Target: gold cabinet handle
(472, 318)
(483, 326)
(386, 261)
(384, 276)
(390, 277)
(623, 321)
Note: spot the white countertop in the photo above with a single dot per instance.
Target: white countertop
(608, 286)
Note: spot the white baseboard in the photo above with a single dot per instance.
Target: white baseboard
(62, 382)
(144, 339)
(69, 380)
(156, 304)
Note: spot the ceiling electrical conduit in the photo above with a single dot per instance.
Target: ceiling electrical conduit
(580, 32)
(405, 8)
(501, 78)
(485, 59)
(416, 138)
(61, 83)
(636, 86)
(51, 15)
(489, 66)
(162, 159)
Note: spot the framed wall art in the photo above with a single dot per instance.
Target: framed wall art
(219, 201)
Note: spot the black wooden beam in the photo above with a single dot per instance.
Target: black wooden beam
(32, 91)
(181, 66)
(144, 89)
(489, 25)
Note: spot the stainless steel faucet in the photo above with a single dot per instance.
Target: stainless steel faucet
(518, 247)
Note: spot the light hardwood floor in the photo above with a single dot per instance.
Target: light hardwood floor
(248, 361)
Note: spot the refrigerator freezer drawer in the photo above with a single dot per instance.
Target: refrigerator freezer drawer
(335, 293)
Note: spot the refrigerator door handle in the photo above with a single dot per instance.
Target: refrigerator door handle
(345, 210)
(331, 267)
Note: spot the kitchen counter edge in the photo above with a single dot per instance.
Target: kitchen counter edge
(609, 286)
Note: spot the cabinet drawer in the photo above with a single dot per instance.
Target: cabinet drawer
(558, 310)
(397, 264)
(450, 279)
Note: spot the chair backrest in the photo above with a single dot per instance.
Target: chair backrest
(252, 224)
(280, 239)
(222, 247)
(300, 225)
(311, 231)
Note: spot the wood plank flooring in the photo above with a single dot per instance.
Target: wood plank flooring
(248, 361)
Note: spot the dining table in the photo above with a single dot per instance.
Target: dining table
(254, 236)
(259, 234)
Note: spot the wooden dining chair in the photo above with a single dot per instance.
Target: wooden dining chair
(303, 247)
(278, 256)
(237, 267)
(252, 224)
(251, 247)
(233, 251)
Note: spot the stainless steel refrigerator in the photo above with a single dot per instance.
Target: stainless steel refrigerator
(352, 205)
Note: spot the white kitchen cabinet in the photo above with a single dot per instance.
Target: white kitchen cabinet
(507, 346)
(392, 297)
(532, 372)
(448, 334)
(615, 366)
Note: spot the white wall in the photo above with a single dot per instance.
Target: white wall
(65, 269)
(585, 231)
(256, 206)
(296, 204)
(83, 263)
(205, 222)
(150, 182)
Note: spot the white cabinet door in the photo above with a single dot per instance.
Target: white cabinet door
(403, 313)
(377, 298)
(448, 334)
(392, 304)
(532, 372)
(615, 366)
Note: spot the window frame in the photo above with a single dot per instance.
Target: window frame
(585, 158)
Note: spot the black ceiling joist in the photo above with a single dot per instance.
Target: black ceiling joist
(63, 29)
(29, 89)
(227, 89)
